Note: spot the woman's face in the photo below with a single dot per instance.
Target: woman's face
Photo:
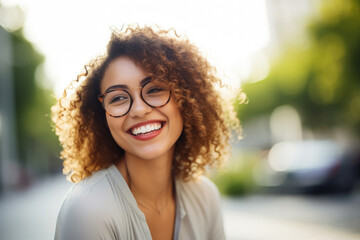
(144, 132)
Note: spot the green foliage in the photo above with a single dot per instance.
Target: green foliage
(237, 178)
(321, 79)
(37, 144)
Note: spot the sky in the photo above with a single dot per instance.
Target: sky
(69, 33)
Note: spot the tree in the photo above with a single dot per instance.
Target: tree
(320, 79)
(37, 143)
(35, 148)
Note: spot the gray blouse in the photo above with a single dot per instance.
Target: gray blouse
(103, 207)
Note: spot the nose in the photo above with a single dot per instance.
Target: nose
(139, 108)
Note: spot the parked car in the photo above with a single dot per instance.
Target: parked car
(310, 167)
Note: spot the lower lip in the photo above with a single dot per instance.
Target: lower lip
(145, 137)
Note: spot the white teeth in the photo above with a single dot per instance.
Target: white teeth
(146, 128)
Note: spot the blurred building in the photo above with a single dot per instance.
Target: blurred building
(8, 147)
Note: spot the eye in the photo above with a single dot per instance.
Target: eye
(117, 98)
(155, 89)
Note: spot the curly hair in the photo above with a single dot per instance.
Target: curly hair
(80, 119)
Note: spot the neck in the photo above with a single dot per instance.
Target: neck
(149, 179)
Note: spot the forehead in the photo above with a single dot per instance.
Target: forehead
(124, 71)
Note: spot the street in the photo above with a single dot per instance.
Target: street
(293, 217)
(32, 215)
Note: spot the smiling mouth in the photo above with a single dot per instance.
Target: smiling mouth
(146, 129)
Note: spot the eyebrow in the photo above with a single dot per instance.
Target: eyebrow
(123, 86)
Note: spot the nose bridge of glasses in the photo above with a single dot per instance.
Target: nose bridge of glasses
(136, 95)
(139, 106)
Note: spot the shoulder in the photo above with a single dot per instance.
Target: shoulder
(201, 187)
(96, 186)
(87, 199)
(200, 201)
(200, 193)
(87, 209)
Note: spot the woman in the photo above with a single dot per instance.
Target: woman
(141, 127)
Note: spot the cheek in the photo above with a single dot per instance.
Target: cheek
(178, 121)
(109, 122)
(114, 125)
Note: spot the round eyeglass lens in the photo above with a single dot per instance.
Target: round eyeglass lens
(117, 103)
(155, 95)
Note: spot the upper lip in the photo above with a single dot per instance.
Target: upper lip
(143, 123)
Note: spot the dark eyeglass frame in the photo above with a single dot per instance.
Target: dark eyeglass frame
(102, 96)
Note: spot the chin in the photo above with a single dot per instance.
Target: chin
(151, 152)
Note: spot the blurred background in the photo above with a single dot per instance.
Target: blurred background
(296, 172)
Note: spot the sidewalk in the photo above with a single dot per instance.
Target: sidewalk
(253, 225)
(32, 214)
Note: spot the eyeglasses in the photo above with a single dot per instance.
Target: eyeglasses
(118, 102)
